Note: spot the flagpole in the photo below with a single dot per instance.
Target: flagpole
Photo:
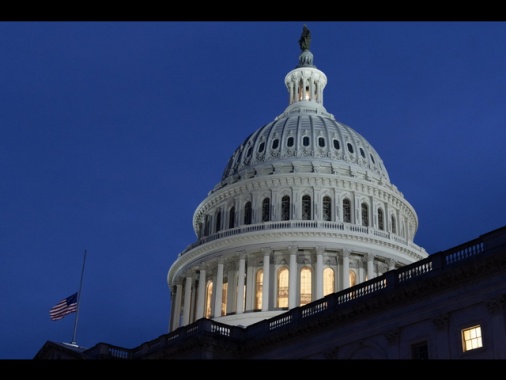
(78, 301)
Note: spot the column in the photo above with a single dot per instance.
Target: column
(266, 286)
(346, 269)
(319, 272)
(187, 300)
(292, 278)
(370, 266)
(176, 322)
(240, 286)
(219, 290)
(201, 297)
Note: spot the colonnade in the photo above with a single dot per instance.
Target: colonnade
(235, 288)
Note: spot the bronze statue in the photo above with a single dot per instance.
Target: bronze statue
(305, 39)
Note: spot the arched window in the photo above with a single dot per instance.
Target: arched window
(306, 207)
(247, 213)
(394, 227)
(266, 210)
(328, 281)
(321, 142)
(353, 278)
(208, 301)
(381, 220)
(231, 218)
(305, 286)
(261, 147)
(365, 214)
(305, 141)
(285, 208)
(275, 144)
(259, 283)
(289, 142)
(207, 225)
(218, 221)
(326, 208)
(282, 299)
(346, 210)
(224, 294)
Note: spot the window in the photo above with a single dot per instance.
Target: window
(305, 141)
(353, 278)
(328, 281)
(336, 144)
(208, 301)
(207, 224)
(420, 351)
(381, 221)
(283, 288)
(365, 215)
(218, 221)
(261, 147)
(247, 213)
(326, 208)
(285, 208)
(275, 144)
(248, 153)
(350, 148)
(471, 338)
(306, 207)
(266, 210)
(231, 218)
(346, 210)
(321, 142)
(362, 152)
(258, 289)
(224, 293)
(289, 143)
(305, 286)
(372, 158)
(394, 229)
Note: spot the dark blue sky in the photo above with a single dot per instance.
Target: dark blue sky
(112, 133)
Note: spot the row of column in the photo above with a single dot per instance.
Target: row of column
(188, 289)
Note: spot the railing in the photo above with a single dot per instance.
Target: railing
(306, 224)
(435, 263)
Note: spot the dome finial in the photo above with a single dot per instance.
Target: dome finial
(305, 39)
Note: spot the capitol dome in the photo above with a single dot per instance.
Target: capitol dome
(304, 208)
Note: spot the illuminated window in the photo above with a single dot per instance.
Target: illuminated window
(471, 338)
(282, 300)
(328, 281)
(258, 289)
(224, 293)
(208, 303)
(353, 278)
(305, 286)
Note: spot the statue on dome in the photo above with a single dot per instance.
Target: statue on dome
(305, 39)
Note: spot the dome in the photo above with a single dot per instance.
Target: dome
(304, 208)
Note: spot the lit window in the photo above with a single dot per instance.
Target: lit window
(208, 300)
(471, 338)
(328, 281)
(305, 286)
(259, 286)
(283, 288)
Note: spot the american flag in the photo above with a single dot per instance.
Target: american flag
(65, 306)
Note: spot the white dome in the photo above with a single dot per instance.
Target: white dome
(302, 193)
